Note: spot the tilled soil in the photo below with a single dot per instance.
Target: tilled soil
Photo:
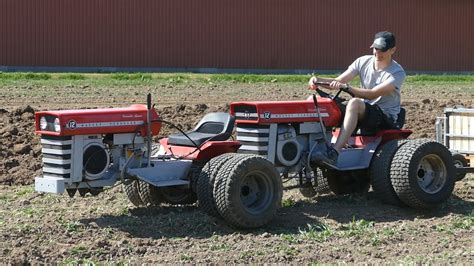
(328, 228)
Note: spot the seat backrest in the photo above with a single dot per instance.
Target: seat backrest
(401, 118)
(216, 123)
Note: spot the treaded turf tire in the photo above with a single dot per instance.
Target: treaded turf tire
(205, 184)
(248, 191)
(149, 194)
(132, 191)
(423, 173)
(379, 172)
(308, 190)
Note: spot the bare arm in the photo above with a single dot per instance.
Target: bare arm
(346, 76)
(334, 83)
(379, 90)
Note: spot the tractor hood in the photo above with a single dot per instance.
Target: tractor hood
(130, 119)
(268, 112)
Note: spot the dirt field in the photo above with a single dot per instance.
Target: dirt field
(327, 229)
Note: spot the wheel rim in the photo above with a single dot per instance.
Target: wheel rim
(256, 192)
(431, 174)
(458, 163)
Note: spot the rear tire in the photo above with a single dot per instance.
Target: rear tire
(423, 173)
(205, 184)
(248, 191)
(379, 172)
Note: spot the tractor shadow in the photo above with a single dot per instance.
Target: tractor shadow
(345, 209)
(182, 222)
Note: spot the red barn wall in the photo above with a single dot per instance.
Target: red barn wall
(432, 35)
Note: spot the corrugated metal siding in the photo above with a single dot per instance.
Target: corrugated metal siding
(432, 35)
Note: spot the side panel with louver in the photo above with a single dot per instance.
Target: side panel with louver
(57, 153)
(254, 138)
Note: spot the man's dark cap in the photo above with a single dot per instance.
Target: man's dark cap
(383, 41)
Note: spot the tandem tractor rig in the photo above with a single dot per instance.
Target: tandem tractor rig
(234, 163)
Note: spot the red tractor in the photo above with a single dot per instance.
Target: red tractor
(236, 176)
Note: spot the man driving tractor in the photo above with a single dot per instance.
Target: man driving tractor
(376, 104)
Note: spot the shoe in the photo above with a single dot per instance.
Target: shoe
(327, 157)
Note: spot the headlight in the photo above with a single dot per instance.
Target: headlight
(49, 123)
(57, 126)
(43, 123)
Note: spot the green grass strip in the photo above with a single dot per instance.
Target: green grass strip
(177, 78)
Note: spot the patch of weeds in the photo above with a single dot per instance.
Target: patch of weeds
(291, 238)
(5, 198)
(25, 191)
(413, 259)
(29, 211)
(24, 76)
(220, 247)
(443, 228)
(131, 76)
(70, 226)
(25, 228)
(69, 261)
(357, 227)
(108, 231)
(388, 232)
(318, 232)
(440, 78)
(464, 222)
(186, 258)
(256, 78)
(287, 250)
(100, 251)
(289, 202)
(72, 76)
(214, 237)
(73, 226)
(78, 250)
(459, 223)
(177, 79)
(375, 240)
(121, 263)
(245, 255)
(124, 211)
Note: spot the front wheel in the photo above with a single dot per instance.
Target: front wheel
(132, 190)
(177, 195)
(318, 184)
(248, 191)
(347, 182)
(423, 173)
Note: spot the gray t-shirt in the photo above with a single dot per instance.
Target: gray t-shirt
(369, 78)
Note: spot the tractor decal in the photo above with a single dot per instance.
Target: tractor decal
(108, 124)
(268, 115)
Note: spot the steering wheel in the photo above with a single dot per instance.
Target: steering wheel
(335, 97)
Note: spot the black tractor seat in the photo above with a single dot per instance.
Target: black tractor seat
(213, 126)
